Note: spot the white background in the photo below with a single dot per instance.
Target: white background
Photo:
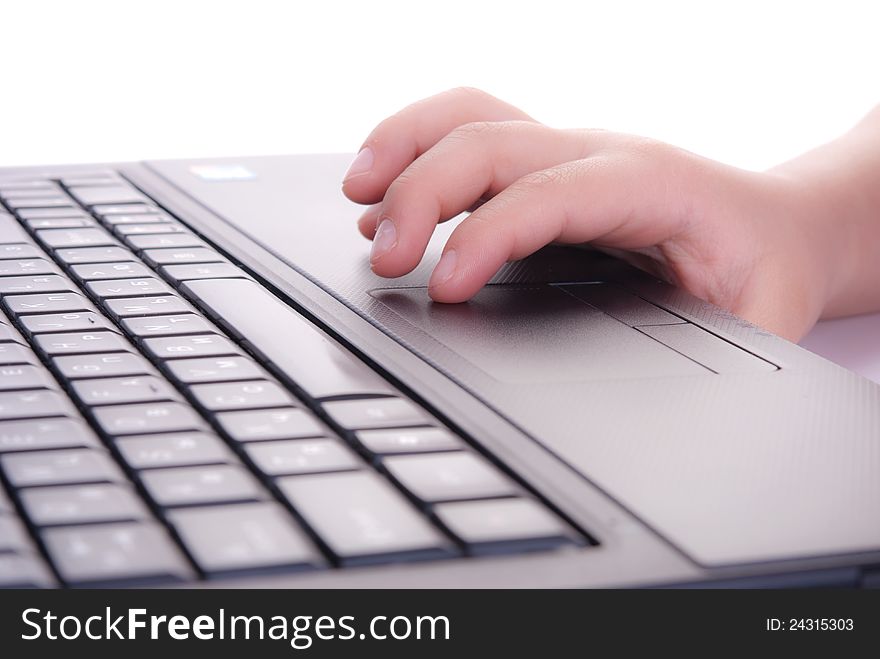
(750, 83)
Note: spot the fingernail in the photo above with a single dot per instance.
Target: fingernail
(384, 240)
(444, 269)
(361, 164)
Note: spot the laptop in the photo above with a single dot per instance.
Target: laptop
(204, 385)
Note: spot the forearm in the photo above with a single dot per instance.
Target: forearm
(840, 183)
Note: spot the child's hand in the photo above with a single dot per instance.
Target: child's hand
(753, 243)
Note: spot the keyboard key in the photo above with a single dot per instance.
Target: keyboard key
(96, 366)
(179, 273)
(55, 303)
(302, 456)
(31, 193)
(157, 257)
(111, 194)
(200, 345)
(186, 486)
(22, 203)
(81, 504)
(76, 255)
(13, 536)
(17, 267)
(13, 378)
(409, 440)
(60, 223)
(214, 369)
(20, 251)
(173, 450)
(51, 213)
(283, 337)
(64, 238)
(97, 179)
(147, 418)
(34, 404)
(270, 424)
(362, 518)
(449, 476)
(26, 183)
(167, 325)
(68, 322)
(35, 284)
(11, 231)
(241, 396)
(15, 353)
(148, 228)
(503, 524)
(133, 552)
(115, 391)
(141, 219)
(77, 343)
(60, 468)
(92, 271)
(24, 571)
(9, 334)
(146, 306)
(376, 413)
(106, 210)
(167, 240)
(127, 287)
(37, 435)
(244, 537)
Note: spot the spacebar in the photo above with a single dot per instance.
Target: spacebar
(282, 337)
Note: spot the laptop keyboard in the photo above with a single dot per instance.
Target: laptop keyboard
(165, 418)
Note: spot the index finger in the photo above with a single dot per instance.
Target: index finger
(403, 137)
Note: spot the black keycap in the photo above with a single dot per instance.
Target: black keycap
(36, 435)
(115, 391)
(66, 238)
(161, 241)
(409, 440)
(60, 468)
(140, 219)
(15, 353)
(362, 517)
(13, 378)
(245, 536)
(214, 369)
(11, 231)
(122, 288)
(449, 476)
(302, 456)
(133, 552)
(173, 450)
(96, 366)
(284, 338)
(103, 210)
(34, 404)
(376, 413)
(270, 424)
(148, 228)
(20, 251)
(503, 525)
(199, 345)
(35, 284)
(174, 325)
(51, 213)
(60, 223)
(147, 418)
(146, 306)
(241, 395)
(12, 268)
(82, 504)
(111, 194)
(157, 257)
(24, 571)
(190, 486)
(178, 273)
(76, 255)
(53, 303)
(92, 271)
(79, 343)
(66, 322)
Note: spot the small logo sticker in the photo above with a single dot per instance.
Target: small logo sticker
(222, 172)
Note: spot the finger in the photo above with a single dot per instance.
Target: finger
(401, 138)
(368, 221)
(475, 160)
(615, 201)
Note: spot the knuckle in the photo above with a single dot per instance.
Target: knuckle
(543, 179)
(470, 92)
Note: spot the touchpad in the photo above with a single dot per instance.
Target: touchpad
(535, 334)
